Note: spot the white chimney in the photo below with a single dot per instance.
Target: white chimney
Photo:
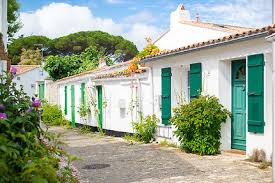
(3, 21)
(180, 14)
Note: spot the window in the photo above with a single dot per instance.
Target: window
(241, 73)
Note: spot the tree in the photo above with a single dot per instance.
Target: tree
(14, 23)
(28, 43)
(30, 57)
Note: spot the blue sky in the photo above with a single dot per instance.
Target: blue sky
(133, 19)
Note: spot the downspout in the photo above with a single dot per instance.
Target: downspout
(273, 96)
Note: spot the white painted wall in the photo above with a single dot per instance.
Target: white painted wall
(28, 80)
(216, 71)
(3, 21)
(3, 66)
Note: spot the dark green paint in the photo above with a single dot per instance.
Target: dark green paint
(82, 90)
(166, 95)
(195, 80)
(256, 93)
(66, 100)
(238, 121)
(100, 110)
(41, 88)
(72, 106)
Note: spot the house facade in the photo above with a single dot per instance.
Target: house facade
(4, 61)
(232, 63)
(32, 79)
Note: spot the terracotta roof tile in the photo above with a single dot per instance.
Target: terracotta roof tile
(24, 68)
(269, 29)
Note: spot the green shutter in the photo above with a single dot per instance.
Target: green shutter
(66, 100)
(82, 93)
(195, 80)
(166, 95)
(256, 93)
(72, 106)
(41, 87)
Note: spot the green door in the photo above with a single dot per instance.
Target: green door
(238, 124)
(166, 95)
(41, 90)
(72, 106)
(100, 112)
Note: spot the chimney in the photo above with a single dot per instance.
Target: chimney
(102, 62)
(181, 14)
(197, 18)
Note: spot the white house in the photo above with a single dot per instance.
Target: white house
(229, 62)
(4, 61)
(31, 78)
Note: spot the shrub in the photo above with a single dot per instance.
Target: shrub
(52, 115)
(198, 125)
(146, 128)
(27, 152)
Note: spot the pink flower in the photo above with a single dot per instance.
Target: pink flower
(13, 70)
(2, 107)
(36, 103)
(3, 116)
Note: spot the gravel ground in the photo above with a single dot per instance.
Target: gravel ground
(113, 160)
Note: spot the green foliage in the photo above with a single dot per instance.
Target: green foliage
(16, 47)
(146, 128)
(27, 152)
(115, 47)
(198, 125)
(167, 144)
(52, 115)
(150, 49)
(14, 23)
(30, 57)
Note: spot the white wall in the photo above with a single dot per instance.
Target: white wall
(3, 66)
(183, 35)
(3, 21)
(28, 80)
(216, 71)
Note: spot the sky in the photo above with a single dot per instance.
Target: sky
(133, 19)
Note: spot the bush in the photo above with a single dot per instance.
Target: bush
(27, 152)
(146, 128)
(198, 125)
(52, 115)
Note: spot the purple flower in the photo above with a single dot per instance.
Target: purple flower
(33, 99)
(3, 116)
(36, 103)
(29, 110)
(13, 70)
(2, 107)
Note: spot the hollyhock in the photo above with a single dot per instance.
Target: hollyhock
(3, 116)
(13, 70)
(2, 107)
(36, 103)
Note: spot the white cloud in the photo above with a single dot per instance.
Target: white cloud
(59, 19)
(141, 17)
(115, 1)
(249, 13)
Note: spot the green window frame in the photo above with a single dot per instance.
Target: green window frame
(65, 100)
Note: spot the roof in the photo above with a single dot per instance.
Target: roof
(24, 68)
(105, 68)
(250, 33)
(218, 27)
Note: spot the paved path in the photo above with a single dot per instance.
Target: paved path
(112, 160)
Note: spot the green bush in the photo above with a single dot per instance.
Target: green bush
(198, 125)
(27, 152)
(146, 128)
(52, 115)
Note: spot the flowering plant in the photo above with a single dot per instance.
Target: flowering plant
(24, 156)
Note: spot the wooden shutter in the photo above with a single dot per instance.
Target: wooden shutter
(166, 95)
(66, 100)
(82, 93)
(195, 80)
(256, 93)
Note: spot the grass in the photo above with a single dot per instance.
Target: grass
(165, 143)
(264, 164)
